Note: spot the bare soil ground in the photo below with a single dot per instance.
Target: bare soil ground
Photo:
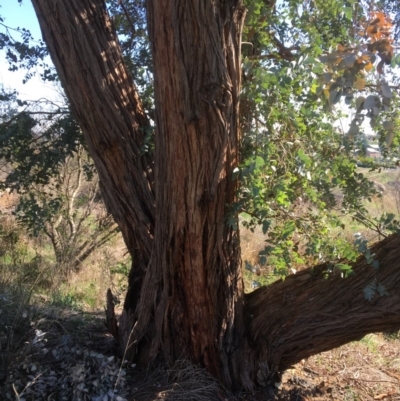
(61, 354)
(364, 370)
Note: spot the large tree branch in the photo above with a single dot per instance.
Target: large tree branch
(314, 310)
(105, 102)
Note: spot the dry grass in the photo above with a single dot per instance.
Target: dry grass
(16, 313)
(252, 242)
(364, 370)
(183, 382)
(89, 286)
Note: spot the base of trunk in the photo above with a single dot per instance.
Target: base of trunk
(310, 312)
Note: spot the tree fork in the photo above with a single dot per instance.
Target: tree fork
(188, 285)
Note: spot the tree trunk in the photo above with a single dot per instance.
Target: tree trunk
(191, 305)
(185, 297)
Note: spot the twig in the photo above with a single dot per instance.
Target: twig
(18, 396)
(370, 381)
(123, 357)
(127, 16)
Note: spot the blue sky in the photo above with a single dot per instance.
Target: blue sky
(20, 15)
(17, 15)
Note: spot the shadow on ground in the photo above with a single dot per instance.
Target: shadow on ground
(50, 353)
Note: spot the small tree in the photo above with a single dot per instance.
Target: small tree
(70, 213)
(58, 189)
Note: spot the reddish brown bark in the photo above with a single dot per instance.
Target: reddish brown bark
(103, 98)
(185, 298)
(195, 270)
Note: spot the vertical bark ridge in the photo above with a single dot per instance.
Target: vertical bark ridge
(197, 303)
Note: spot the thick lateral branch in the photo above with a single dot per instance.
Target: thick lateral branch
(311, 312)
(84, 48)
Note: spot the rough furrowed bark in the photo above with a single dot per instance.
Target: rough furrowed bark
(104, 101)
(315, 311)
(190, 302)
(193, 287)
(186, 298)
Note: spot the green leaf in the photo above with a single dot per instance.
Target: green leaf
(385, 89)
(389, 138)
(303, 157)
(350, 59)
(388, 125)
(288, 229)
(382, 290)
(348, 12)
(265, 226)
(334, 96)
(353, 130)
(371, 102)
(259, 162)
(360, 102)
(344, 267)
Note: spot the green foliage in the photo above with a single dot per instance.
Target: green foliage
(34, 215)
(373, 290)
(23, 52)
(36, 149)
(46, 164)
(131, 25)
(67, 300)
(78, 298)
(119, 274)
(299, 173)
(122, 268)
(346, 73)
